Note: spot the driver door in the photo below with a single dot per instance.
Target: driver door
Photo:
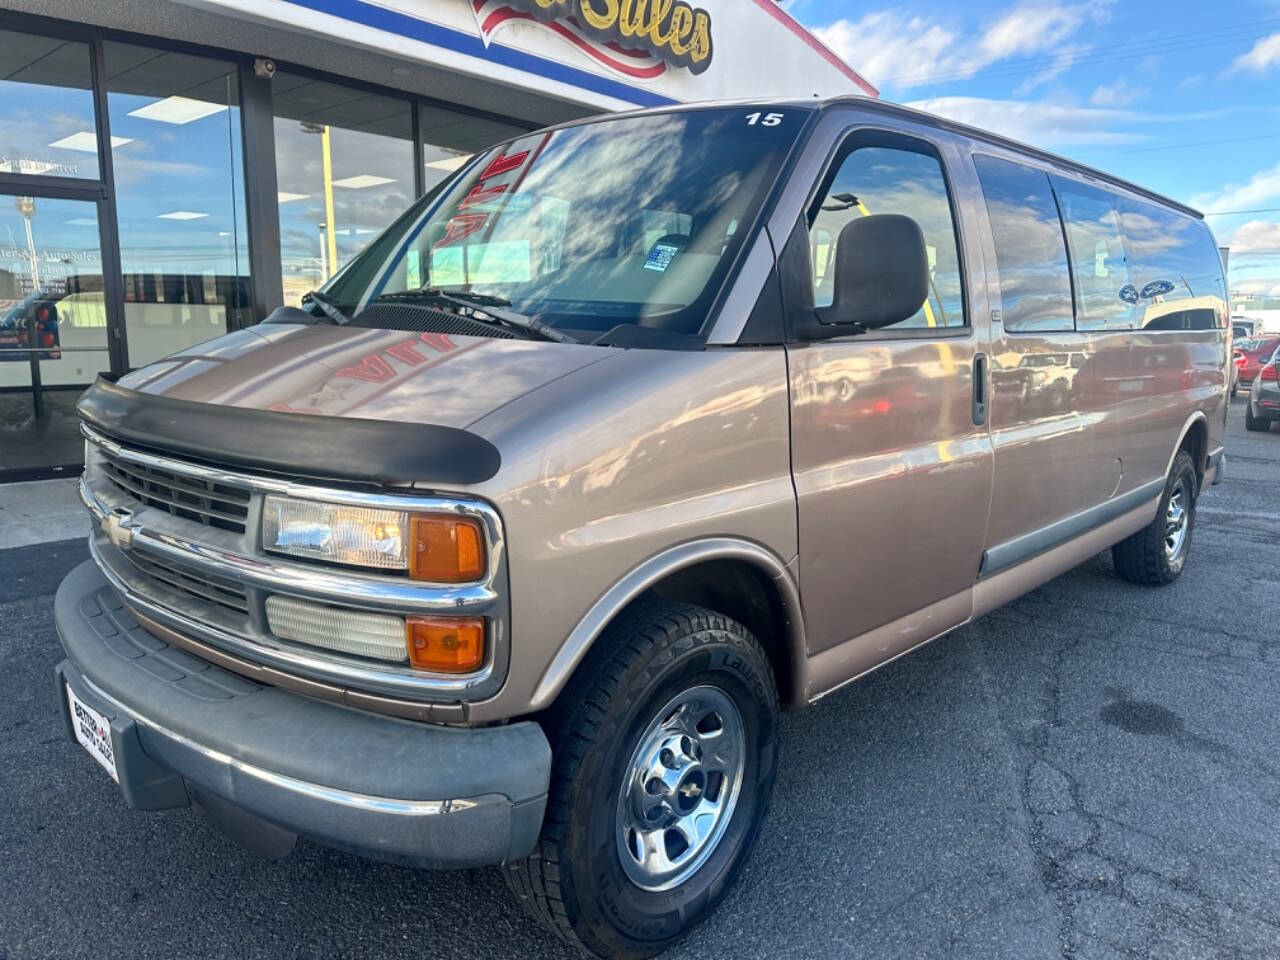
(891, 459)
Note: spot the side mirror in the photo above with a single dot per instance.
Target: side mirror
(881, 276)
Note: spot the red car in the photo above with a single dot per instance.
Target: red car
(1250, 356)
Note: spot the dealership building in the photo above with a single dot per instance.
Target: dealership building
(172, 169)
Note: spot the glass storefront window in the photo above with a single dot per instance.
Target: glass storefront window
(344, 168)
(345, 164)
(46, 107)
(179, 178)
(53, 327)
(449, 139)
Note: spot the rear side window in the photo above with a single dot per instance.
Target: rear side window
(1031, 255)
(1106, 298)
(874, 179)
(1174, 266)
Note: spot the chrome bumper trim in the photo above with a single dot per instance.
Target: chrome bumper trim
(218, 761)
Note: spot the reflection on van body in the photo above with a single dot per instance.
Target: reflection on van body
(631, 431)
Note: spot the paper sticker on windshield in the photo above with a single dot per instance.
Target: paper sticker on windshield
(660, 256)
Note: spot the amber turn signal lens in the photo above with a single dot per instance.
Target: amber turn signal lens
(445, 644)
(445, 549)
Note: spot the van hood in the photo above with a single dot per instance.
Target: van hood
(390, 375)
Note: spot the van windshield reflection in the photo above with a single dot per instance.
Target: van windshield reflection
(624, 221)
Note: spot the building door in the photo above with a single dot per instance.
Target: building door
(59, 273)
(892, 462)
(53, 327)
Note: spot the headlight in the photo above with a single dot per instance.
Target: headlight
(442, 548)
(356, 535)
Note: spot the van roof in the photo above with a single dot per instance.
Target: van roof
(931, 119)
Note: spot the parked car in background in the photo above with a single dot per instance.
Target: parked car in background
(1251, 355)
(1242, 327)
(1264, 397)
(509, 546)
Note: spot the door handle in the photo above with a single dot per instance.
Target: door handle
(979, 389)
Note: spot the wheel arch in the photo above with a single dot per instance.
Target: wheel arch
(1194, 438)
(738, 578)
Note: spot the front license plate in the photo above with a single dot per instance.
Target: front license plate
(93, 730)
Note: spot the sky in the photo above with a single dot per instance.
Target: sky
(1181, 97)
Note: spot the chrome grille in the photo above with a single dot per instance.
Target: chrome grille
(195, 577)
(193, 583)
(212, 504)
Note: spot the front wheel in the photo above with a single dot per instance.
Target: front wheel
(665, 748)
(1157, 553)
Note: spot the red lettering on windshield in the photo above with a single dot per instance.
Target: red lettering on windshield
(461, 227)
(503, 164)
(481, 194)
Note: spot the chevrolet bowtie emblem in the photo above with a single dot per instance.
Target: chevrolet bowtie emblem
(118, 526)
(690, 790)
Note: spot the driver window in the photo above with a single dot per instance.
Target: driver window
(874, 180)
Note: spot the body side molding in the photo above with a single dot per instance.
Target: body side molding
(1010, 552)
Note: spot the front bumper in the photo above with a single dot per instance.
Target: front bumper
(393, 789)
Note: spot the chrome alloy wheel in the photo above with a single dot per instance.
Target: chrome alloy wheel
(680, 788)
(1175, 522)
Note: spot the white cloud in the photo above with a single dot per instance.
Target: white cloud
(895, 50)
(1260, 190)
(1118, 94)
(1039, 122)
(1254, 236)
(1259, 286)
(1264, 55)
(890, 44)
(1033, 28)
(1063, 62)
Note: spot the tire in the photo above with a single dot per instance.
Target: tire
(1257, 424)
(1147, 557)
(577, 882)
(1234, 388)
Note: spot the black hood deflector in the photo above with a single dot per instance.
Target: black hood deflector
(349, 449)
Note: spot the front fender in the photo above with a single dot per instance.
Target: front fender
(655, 569)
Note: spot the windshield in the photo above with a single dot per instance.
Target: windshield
(629, 220)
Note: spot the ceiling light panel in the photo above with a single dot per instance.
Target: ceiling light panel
(361, 181)
(177, 110)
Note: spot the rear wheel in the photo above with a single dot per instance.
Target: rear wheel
(664, 752)
(1157, 553)
(1258, 424)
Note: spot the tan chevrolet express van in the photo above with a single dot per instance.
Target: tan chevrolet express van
(508, 547)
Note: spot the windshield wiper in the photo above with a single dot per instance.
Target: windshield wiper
(328, 307)
(485, 309)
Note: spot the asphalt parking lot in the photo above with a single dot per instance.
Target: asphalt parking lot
(1089, 772)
